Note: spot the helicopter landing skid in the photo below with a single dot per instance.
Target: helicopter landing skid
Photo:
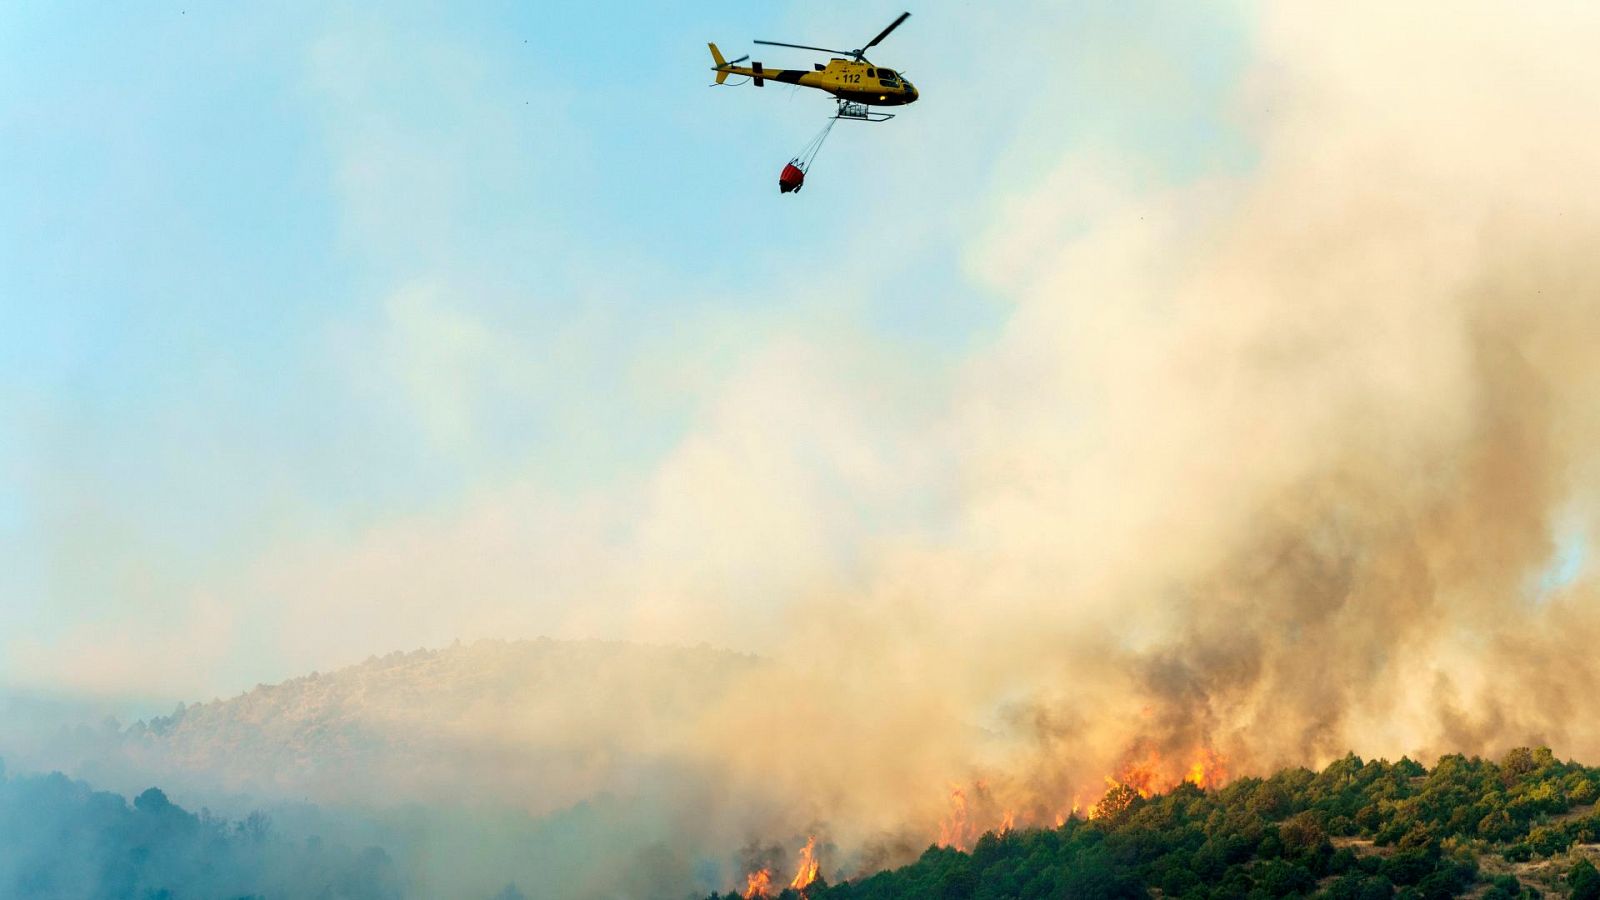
(860, 112)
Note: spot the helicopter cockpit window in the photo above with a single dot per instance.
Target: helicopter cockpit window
(886, 74)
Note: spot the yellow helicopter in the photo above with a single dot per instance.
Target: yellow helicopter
(849, 76)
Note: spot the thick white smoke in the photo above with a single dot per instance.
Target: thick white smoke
(1261, 471)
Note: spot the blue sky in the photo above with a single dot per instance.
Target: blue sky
(282, 276)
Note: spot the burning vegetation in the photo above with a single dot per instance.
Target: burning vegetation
(758, 884)
(974, 809)
(806, 870)
(975, 812)
(1523, 826)
(760, 880)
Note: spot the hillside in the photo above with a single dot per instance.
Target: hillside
(542, 723)
(1524, 826)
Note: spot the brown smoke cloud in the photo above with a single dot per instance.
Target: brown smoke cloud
(1266, 469)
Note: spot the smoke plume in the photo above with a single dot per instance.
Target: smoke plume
(1261, 470)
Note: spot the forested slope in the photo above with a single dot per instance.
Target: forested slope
(1526, 825)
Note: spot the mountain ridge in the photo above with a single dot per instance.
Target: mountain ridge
(459, 723)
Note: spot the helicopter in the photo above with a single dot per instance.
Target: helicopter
(850, 77)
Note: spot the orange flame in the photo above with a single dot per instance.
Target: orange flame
(807, 872)
(1144, 773)
(1151, 774)
(1209, 771)
(758, 884)
(956, 828)
(1143, 776)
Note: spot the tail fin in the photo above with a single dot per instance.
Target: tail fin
(716, 57)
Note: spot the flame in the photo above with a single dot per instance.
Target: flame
(1145, 772)
(807, 872)
(1208, 771)
(758, 884)
(974, 811)
(1152, 774)
(956, 828)
(1143, 776)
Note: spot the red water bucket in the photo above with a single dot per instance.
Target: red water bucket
(791, 179)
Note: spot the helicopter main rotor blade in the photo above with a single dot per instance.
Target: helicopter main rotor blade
(884, 33)
(804, 47)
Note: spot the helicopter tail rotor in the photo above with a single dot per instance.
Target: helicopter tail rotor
(722, 65)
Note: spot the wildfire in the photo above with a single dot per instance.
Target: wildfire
(1145, 772)
(1143, 776)
(956, 829)
(758, 884)
(1153, 775)
(807, 871)
(1209, 771)
(1070, 812)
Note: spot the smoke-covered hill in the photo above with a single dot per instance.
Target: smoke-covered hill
(547, 763)
(543, 723)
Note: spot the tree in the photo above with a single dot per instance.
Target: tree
(1517, 762)
(1302, 833)
(1094, 879)
(1269, 801)
(153, 801)
(1583, 881)
(1116, 803)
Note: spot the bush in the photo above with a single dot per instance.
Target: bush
(1583, 881)
(1302, 833)
(1407, 867)
(1549, 840)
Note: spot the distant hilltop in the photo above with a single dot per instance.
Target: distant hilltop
(465, 723)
